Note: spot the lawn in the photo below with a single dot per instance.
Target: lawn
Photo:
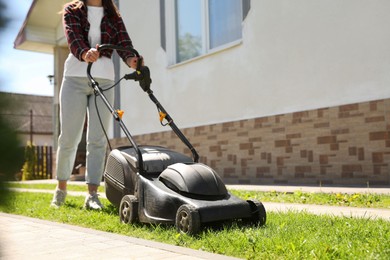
(49, 186)
(366, 200)
(362, 200)
(290, 235)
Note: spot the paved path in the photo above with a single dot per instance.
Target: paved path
(27, 238)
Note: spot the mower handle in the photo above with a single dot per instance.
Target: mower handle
(99, 92)
(103, 47)
(112, 47)
(142, 74)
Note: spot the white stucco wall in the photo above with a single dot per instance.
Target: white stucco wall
(294, 56)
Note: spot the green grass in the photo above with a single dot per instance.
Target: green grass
(291, 235)
(49, 186)
(368, 200)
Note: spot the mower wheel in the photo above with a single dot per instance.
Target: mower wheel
(187, 220)
(259, 215)
(128, 209)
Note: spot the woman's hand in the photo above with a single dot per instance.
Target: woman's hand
(92, 55)
(132, 62)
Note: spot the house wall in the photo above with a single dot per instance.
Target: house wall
(294, 56)
(341, 145)
(304, 98)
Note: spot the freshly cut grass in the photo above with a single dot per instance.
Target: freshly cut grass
(290, 235)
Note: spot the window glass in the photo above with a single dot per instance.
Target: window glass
(188, 29)
(203, 25)
(225, 18)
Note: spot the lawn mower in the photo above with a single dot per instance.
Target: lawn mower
(153, 184)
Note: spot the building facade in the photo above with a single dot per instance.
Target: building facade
(300, 96)
(269, 92)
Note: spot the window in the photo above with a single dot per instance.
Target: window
(191, 28)
(188, 29)
(225, 17)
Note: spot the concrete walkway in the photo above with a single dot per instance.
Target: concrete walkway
(27, 238)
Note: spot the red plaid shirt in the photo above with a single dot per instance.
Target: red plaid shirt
(76, 27)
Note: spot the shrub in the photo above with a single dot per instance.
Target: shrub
(30, 162)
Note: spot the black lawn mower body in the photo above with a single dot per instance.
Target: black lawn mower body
(152, 184)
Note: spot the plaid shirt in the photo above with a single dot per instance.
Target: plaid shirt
(76, 27)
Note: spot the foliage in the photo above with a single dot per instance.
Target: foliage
(34, 168)
(11, 155)
(190, 46)
(30, 162)
(3, 18)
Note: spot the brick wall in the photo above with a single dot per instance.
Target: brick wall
(343, 145)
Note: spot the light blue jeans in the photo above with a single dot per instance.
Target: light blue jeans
(76, 100)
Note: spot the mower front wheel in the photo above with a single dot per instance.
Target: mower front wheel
(128, 209)
(187, 220)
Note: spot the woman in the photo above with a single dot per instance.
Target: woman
(87, 23)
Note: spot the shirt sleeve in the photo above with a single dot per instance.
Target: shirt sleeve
(73, 29)
(123, 40)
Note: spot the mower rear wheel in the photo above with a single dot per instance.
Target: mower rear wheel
(187, 220)
(259, 215)
(128, 209)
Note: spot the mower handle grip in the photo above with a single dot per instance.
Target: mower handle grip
(118, 48)
(112, 47)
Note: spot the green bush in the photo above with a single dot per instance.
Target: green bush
(11, 155)
(30, 162)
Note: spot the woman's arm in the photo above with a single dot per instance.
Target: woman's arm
(123, 39)
(78, 44)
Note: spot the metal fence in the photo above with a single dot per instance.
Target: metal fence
(43, 163)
